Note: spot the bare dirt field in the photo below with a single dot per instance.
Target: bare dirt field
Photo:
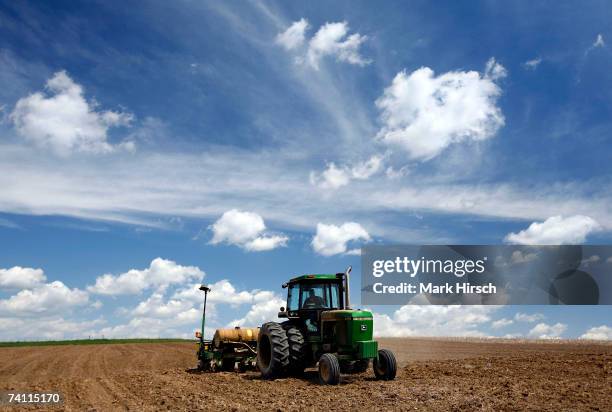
(435, 374)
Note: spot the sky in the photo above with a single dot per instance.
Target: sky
(146, 150)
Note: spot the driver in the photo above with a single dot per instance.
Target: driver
(313, 301)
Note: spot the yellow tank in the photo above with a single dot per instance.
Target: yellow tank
(235, 335)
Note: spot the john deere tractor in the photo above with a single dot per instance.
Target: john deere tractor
(321, 328)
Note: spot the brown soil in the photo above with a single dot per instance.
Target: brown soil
(435, 374)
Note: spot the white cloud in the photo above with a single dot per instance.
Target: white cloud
(223, 292)
(294, 36)
(64, 121)
(423, 113)
(524, 317)
(332, 39)
(160, 273)
(263, 243)
(259, 313)
(46, 328)
(546, 331)
(494, 70)
(18, 277)
(416, 320)
(598, 333)
(332, 240)
(155, 306)
(599, 41)
(245, 229)
(518, 257)
(533, 63)
(54, 297)
(334, 177)
(555, 230)
(591, 259)
(501, 323)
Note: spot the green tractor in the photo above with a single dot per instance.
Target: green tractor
(321, 327)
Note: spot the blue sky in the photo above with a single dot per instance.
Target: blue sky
(249, 142)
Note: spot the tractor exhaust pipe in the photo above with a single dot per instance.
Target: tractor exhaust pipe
(347, 295)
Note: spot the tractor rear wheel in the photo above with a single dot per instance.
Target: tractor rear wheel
(297, 349)
(329, 369)
(272, 351)
(385, 365)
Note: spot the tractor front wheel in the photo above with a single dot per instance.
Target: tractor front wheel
(272, 351)
(329, 369)
(385, 365)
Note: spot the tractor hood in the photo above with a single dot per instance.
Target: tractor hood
(346, 314)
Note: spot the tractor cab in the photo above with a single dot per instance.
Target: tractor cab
(310, 295)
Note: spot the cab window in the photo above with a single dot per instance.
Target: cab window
(293, 298)
(319, 296)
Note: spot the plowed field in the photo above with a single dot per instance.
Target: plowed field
(435, 374)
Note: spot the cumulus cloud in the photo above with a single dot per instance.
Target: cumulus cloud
(501, 323)
(415, 320)
(590, 260)
(524, 317)
(423, 113)
(64, 121)
(518, 257)
(335, 177)
(47, 327)
(19, 277)
(294, 36)
(332, 240)
(160, 274)
(598, 333)
(546, 331)
(555, 230)
(259, 313)
(54, 297)
(332, 39)
(224, 292)
(245, 229)
(156, 306)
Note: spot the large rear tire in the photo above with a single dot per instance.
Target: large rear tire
(272, 351)
(297, 349)
(329, 369)
(385, 365)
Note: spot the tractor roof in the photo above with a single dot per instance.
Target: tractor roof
(315, 276)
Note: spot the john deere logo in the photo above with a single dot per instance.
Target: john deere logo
(364, 327)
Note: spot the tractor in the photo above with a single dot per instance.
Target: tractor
(321, 328)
